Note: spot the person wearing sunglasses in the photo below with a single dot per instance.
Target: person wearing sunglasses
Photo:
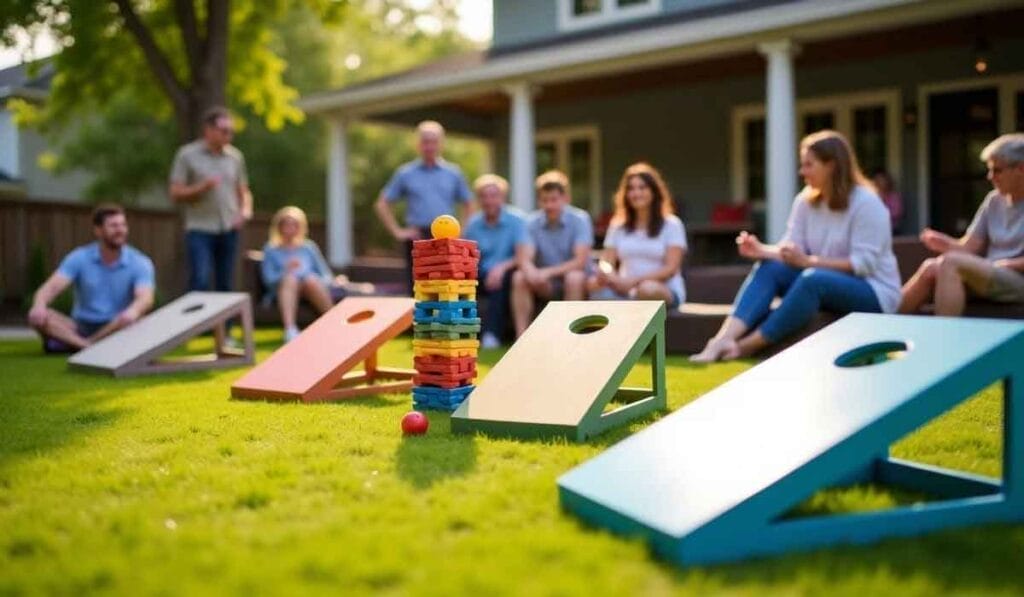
(987, 262)
(209, 179)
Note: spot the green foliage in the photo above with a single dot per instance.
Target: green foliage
(113, 120)
(164, 486)
(36, 272)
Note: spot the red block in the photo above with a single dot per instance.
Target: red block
(444, 246)
(442, 364)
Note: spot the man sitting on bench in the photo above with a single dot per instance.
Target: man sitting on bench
(113, 284)
(988, 260)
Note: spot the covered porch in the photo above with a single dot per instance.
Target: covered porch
(718, 102)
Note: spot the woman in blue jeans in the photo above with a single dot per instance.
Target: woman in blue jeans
(836, 255)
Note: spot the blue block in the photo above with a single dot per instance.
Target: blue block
(712, 482)
(433, 398)
(450, 312)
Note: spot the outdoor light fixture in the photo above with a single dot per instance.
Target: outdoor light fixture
(981, 53)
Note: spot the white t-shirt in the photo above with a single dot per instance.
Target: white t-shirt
(640, 254)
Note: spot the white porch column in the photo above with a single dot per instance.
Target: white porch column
(780, 128)
(339, 198)
(522, 169)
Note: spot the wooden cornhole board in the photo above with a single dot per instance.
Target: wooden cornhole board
(555, 381)
(317, 365)
(715, 480)
(139, 348)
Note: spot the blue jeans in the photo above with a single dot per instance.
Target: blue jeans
(211, 252)
(804, 293)
(495, 318)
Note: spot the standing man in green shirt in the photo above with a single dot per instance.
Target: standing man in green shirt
(209, 178)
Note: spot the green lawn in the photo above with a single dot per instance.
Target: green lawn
(162, 485)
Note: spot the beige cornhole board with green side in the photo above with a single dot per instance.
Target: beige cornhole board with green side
(562, 377)
(142, 348)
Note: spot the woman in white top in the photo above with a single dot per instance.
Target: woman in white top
(646, 240)
(836, 256)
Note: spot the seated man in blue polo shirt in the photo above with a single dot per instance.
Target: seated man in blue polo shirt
(500, 233)
(554, 264)
(430, 186)
(113, 285)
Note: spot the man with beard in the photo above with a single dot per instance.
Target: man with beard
(113, 286)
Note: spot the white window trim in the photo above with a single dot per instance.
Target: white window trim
(610, 13)
(842, 106)
(1007, 87)
(560, 138)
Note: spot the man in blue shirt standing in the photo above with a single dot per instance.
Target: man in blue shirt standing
(430, 186)
(500, 233)
(113, 285)
(554, 264)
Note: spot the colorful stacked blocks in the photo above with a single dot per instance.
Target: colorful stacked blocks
(445, 319)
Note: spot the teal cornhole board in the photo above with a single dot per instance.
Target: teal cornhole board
(711, 482)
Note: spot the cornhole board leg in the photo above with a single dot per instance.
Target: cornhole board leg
(805, 420)
(372, 380)
(187, 317)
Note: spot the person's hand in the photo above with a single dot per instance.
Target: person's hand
(934, 240)
(293, 264)
(238, 222)
(209, 183)
(793, 255)
(535, 276)
(749, 246)
(38, 315)
(621, 284)
(410, 233)
(493, 280)
(128, 316)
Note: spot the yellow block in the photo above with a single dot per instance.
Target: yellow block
(464, 343)
(445, 296)
(445, 285)
(444, 352)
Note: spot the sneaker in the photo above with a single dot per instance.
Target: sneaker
(290, 333)
(489, 340)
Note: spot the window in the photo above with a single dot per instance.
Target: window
(578, 14)
(869, 120)
(576, 152)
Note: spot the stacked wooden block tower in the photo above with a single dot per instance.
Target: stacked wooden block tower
(445, 322)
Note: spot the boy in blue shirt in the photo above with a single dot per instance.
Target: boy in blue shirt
(113, 285)
(500, 233)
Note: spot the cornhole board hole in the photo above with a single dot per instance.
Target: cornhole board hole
(319, 364)
(715, 480)
(562, 373)
(142, 348)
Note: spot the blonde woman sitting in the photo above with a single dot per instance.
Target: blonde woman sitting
(293, 268)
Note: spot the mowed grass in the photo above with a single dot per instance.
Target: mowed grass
(162, 485)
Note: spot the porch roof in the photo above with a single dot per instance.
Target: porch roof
(478, 78)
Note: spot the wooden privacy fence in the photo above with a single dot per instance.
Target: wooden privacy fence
(53, 228)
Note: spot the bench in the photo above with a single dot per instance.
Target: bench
(711, 290)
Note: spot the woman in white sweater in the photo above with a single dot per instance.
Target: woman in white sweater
(836, 256)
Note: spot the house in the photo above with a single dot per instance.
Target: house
(716, 94)
(21, 149)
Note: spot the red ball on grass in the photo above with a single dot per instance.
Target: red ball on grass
(415, 423)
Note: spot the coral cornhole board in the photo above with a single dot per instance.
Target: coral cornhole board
(716, 480)
(142, 347)
(558, 378)
(318, 364)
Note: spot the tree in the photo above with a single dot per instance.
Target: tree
(194, 58)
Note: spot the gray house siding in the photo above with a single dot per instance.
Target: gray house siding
(519, 22)
(686, 132)
(522, 21)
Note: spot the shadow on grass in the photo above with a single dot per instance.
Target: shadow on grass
(425, 460)
(44, 406)
(981, 560)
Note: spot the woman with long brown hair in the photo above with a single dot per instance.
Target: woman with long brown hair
(647, 241)
(836, 255)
